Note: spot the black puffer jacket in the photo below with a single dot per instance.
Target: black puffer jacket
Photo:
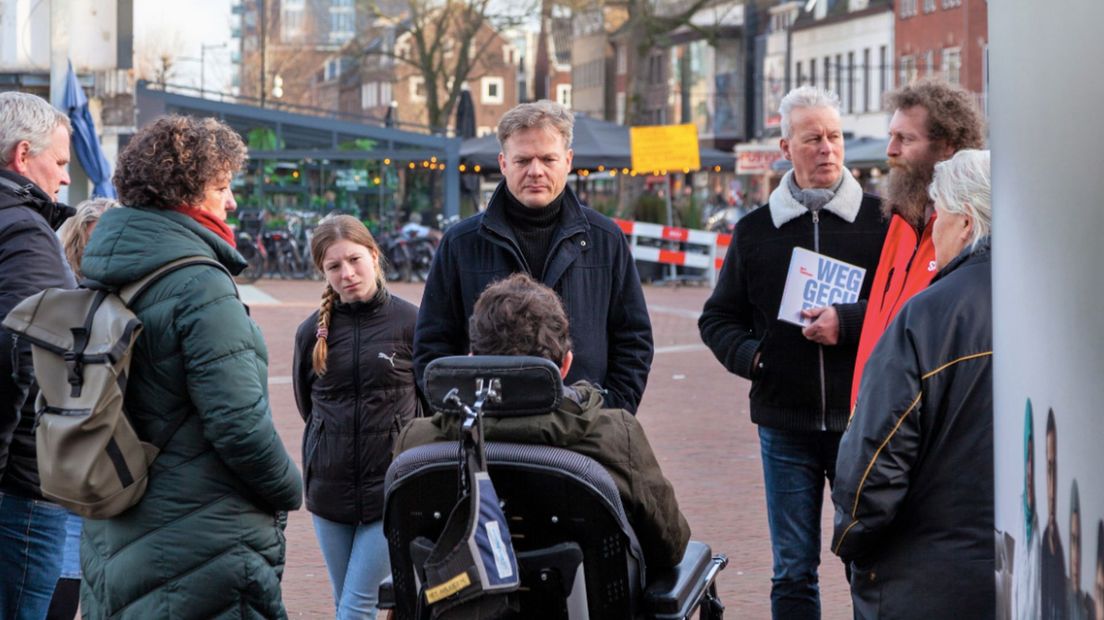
(355, 410)
(31, 260)
(914, 477)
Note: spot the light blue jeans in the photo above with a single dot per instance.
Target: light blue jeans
(357, 561)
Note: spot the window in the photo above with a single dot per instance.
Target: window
(333, 69)
(620, 111)
(417, 89)
(850, 82)
(291, 20)
(385, 96)
(866, 80)
(952, 64)
(929, 6)
(908, 8)
(950, 4)
(812, 72)
(563, 95)
(883, 72)
(800, 77)
(492, 88)
(929, 62)
(369, 95)
(839, 76)
(622, 59)
(908, 70)
(342, 24)
(827, 73)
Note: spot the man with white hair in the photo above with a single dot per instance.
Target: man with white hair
(34, 152)
(799, 389)
(913, 492)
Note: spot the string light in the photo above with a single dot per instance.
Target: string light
(625, 171)
(411, 165)
(476, 168)
(613, 172)
(433, 159)
(463, 167)
(716, 168)
(376, 181)
(601, 168)
(387, 162)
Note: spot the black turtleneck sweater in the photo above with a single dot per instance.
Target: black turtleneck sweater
(535, 230)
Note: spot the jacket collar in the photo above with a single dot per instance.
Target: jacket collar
(572, 219)
(845, 204)
(967, 255)
(18, 190)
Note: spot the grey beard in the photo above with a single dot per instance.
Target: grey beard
(906, 194)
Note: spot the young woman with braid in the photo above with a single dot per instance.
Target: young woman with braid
(354, 386)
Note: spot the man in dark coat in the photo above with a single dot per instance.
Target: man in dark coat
(799, 388)
(517, 316)
(34, 152)
(534, 224)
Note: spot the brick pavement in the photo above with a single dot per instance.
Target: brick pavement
(696, 417)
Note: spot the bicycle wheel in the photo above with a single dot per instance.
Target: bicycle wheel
(421, 259)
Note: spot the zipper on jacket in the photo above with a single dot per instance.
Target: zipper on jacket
(820, 347)
(356, 414)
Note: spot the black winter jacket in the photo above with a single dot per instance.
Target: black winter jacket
(914, 476)
(793, 388)
(590, 268)
(355, 410)
(31, 259)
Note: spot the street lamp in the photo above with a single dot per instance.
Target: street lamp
(203, 62)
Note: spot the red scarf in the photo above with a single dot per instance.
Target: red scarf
(210, 222)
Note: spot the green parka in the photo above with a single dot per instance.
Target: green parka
(206, 540)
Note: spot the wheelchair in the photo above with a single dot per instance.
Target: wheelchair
(576, 554)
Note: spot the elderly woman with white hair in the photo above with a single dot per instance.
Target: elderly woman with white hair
(914, 476)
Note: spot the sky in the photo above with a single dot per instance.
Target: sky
(180, 29)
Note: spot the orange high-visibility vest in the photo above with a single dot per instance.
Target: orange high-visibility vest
(905, 268)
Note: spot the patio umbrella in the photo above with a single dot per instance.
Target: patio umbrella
(85, 143)
(465, 128)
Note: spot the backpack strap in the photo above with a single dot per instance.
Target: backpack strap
(130, 292)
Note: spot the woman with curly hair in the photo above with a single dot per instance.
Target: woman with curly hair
(354, 385)
(206, 540)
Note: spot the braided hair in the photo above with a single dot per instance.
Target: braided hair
(321, 347)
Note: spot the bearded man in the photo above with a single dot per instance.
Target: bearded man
(932, 120)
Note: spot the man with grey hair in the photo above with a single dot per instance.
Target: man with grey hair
(535, 224)
(799, 389)
(34, 152)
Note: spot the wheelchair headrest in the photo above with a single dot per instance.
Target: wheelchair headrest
(527, 385)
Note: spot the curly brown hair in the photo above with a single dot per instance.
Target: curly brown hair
(519, 316)
(953, 117)
(171, 162)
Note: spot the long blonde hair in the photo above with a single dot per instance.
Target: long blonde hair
(74, 233)
(330, 230)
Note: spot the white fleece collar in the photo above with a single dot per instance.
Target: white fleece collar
(845, 204)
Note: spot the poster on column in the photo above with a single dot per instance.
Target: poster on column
(814, 281)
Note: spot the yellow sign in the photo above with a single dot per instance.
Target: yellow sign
(656, 148)
(448, 588)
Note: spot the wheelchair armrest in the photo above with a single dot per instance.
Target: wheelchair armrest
(674, 592)
(386, 594)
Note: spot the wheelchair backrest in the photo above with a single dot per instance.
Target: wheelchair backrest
(550, 496)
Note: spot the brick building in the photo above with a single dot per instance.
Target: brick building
(948, 38)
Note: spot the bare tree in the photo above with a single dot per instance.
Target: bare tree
(156, 56)
(444, 41)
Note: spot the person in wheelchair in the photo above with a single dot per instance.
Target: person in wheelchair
(518, 316)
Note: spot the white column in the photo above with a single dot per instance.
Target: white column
(1048, 271)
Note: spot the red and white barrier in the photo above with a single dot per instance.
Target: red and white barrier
(710, 258)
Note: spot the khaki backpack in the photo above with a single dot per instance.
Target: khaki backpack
(90, 460)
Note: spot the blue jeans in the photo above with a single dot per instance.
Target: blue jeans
(357, 560)
(795, 467)
(32, 535)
